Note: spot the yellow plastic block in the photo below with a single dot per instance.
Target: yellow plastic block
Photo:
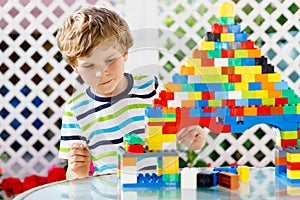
(154, 146)
(240, 53)
(214, 79)
(159, 171)
(155, 138)
(293, 191)
(208, 71)
(119, 173)
(247, 69)
(248, 78)
(215, 103)
(243, 86)
(226, 10)
(298, 108)
(275, 77)
(195, 95)
(293, 157)
(169, 137)
(250, 111)
(186, 70)
(170, 165)
(153, 131)
(244, 173)
(262, 94)
(207, 45)
(248, 94)
(268, 101)
(193, 62)
(293, 174)
(287, 135)
(227, 37)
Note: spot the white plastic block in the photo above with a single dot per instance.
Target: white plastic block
(189, 178)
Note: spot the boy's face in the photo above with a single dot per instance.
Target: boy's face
(103, 71)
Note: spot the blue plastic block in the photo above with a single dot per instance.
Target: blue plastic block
(153, 112)
(248, 61)
(279, 184)
(254, 102)
(254, 85)
(215, 178)
(241, 37)
(241, 102)
(214, 86)
(225, 45)
(231, 169)
(201, 103)
(179, 79)
(235, 28)
(195, 112)
(219, 95)
(292, 118)
(223, 111)
(201, 87)
(218, 45)
(280, 169)
(281, 85)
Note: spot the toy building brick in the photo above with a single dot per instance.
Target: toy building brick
(227, 86)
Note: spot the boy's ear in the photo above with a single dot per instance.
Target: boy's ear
(126, 56)
(75, 68)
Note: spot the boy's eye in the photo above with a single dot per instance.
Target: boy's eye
(109, 61)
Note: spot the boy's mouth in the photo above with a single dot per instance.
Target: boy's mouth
(105, 82)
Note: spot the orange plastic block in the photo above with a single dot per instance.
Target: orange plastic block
(276, 110)
(166, 110)
(229, 180)
(254, 53)
(280, 161)
(250, 111)
(227, 70)
(131, 161)
(197, 53)
(184, 70)
(261, 78)
(275, 93)
(267, 86)
(173, 87)
(188, 103)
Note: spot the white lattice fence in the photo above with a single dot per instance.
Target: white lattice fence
(35, 83)
(272, 24)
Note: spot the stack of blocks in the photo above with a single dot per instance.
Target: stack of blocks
(228, 87)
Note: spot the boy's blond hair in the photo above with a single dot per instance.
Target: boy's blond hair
(87, 28)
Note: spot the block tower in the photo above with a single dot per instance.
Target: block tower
(228, 87)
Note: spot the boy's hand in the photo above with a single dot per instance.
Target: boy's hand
(78, 161)
(193, 137)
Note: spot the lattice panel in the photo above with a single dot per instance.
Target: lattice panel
(34, 82)
(272, 24)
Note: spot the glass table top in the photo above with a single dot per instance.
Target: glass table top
(262, 185)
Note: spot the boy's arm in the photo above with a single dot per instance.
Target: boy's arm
(193, 137)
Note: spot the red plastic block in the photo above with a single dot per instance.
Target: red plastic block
(227, 53)
(298, 133)
(209, 109)
(171, 127)
(207, 62)
(216, 28)
(281, 101)
(156, 123)
(234, 78)
(286, 143)
(164, 95)
(237, 111)
(135, 148)
(247, 45)
(208, 95)
(293, 166)
(159, 103)
(276, 110)
(263, 110)
(228, 70)
(228, 102)
(280, 161)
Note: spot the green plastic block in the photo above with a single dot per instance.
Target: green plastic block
(133, 139)
(214, 103)
(268, 101)
(170, 178)
(234, 62)
(226, 20)
(188, 87)
(290, 109)
(228, 87)
(241, 53)
(288, 93)
(169, 115)
(214, 54)
(294, 100)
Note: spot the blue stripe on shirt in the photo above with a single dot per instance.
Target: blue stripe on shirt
(70, 126)
(116, 128)
(105, 167)
(144, 85)
(81, 104)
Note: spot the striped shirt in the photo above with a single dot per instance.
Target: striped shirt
(101, 122)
